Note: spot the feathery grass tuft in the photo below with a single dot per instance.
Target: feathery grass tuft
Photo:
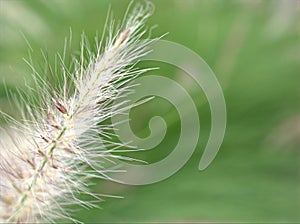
(48, 158)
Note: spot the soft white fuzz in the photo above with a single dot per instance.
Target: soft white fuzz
(49, 157)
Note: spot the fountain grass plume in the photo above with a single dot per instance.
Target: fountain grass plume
(48, 158)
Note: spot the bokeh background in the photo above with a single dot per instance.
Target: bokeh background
(252, 46)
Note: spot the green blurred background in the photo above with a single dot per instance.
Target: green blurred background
(253, 48)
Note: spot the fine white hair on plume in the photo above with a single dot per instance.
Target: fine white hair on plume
(49, 156)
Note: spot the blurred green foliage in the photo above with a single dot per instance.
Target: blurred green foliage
(253, 48)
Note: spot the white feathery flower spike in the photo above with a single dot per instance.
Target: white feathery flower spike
(48, 157)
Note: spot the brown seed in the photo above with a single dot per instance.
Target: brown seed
(68, 150)
(41, 153)
(124, 36)
(59, 106)
(45, 139)
(56, 126)
(31, 163)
